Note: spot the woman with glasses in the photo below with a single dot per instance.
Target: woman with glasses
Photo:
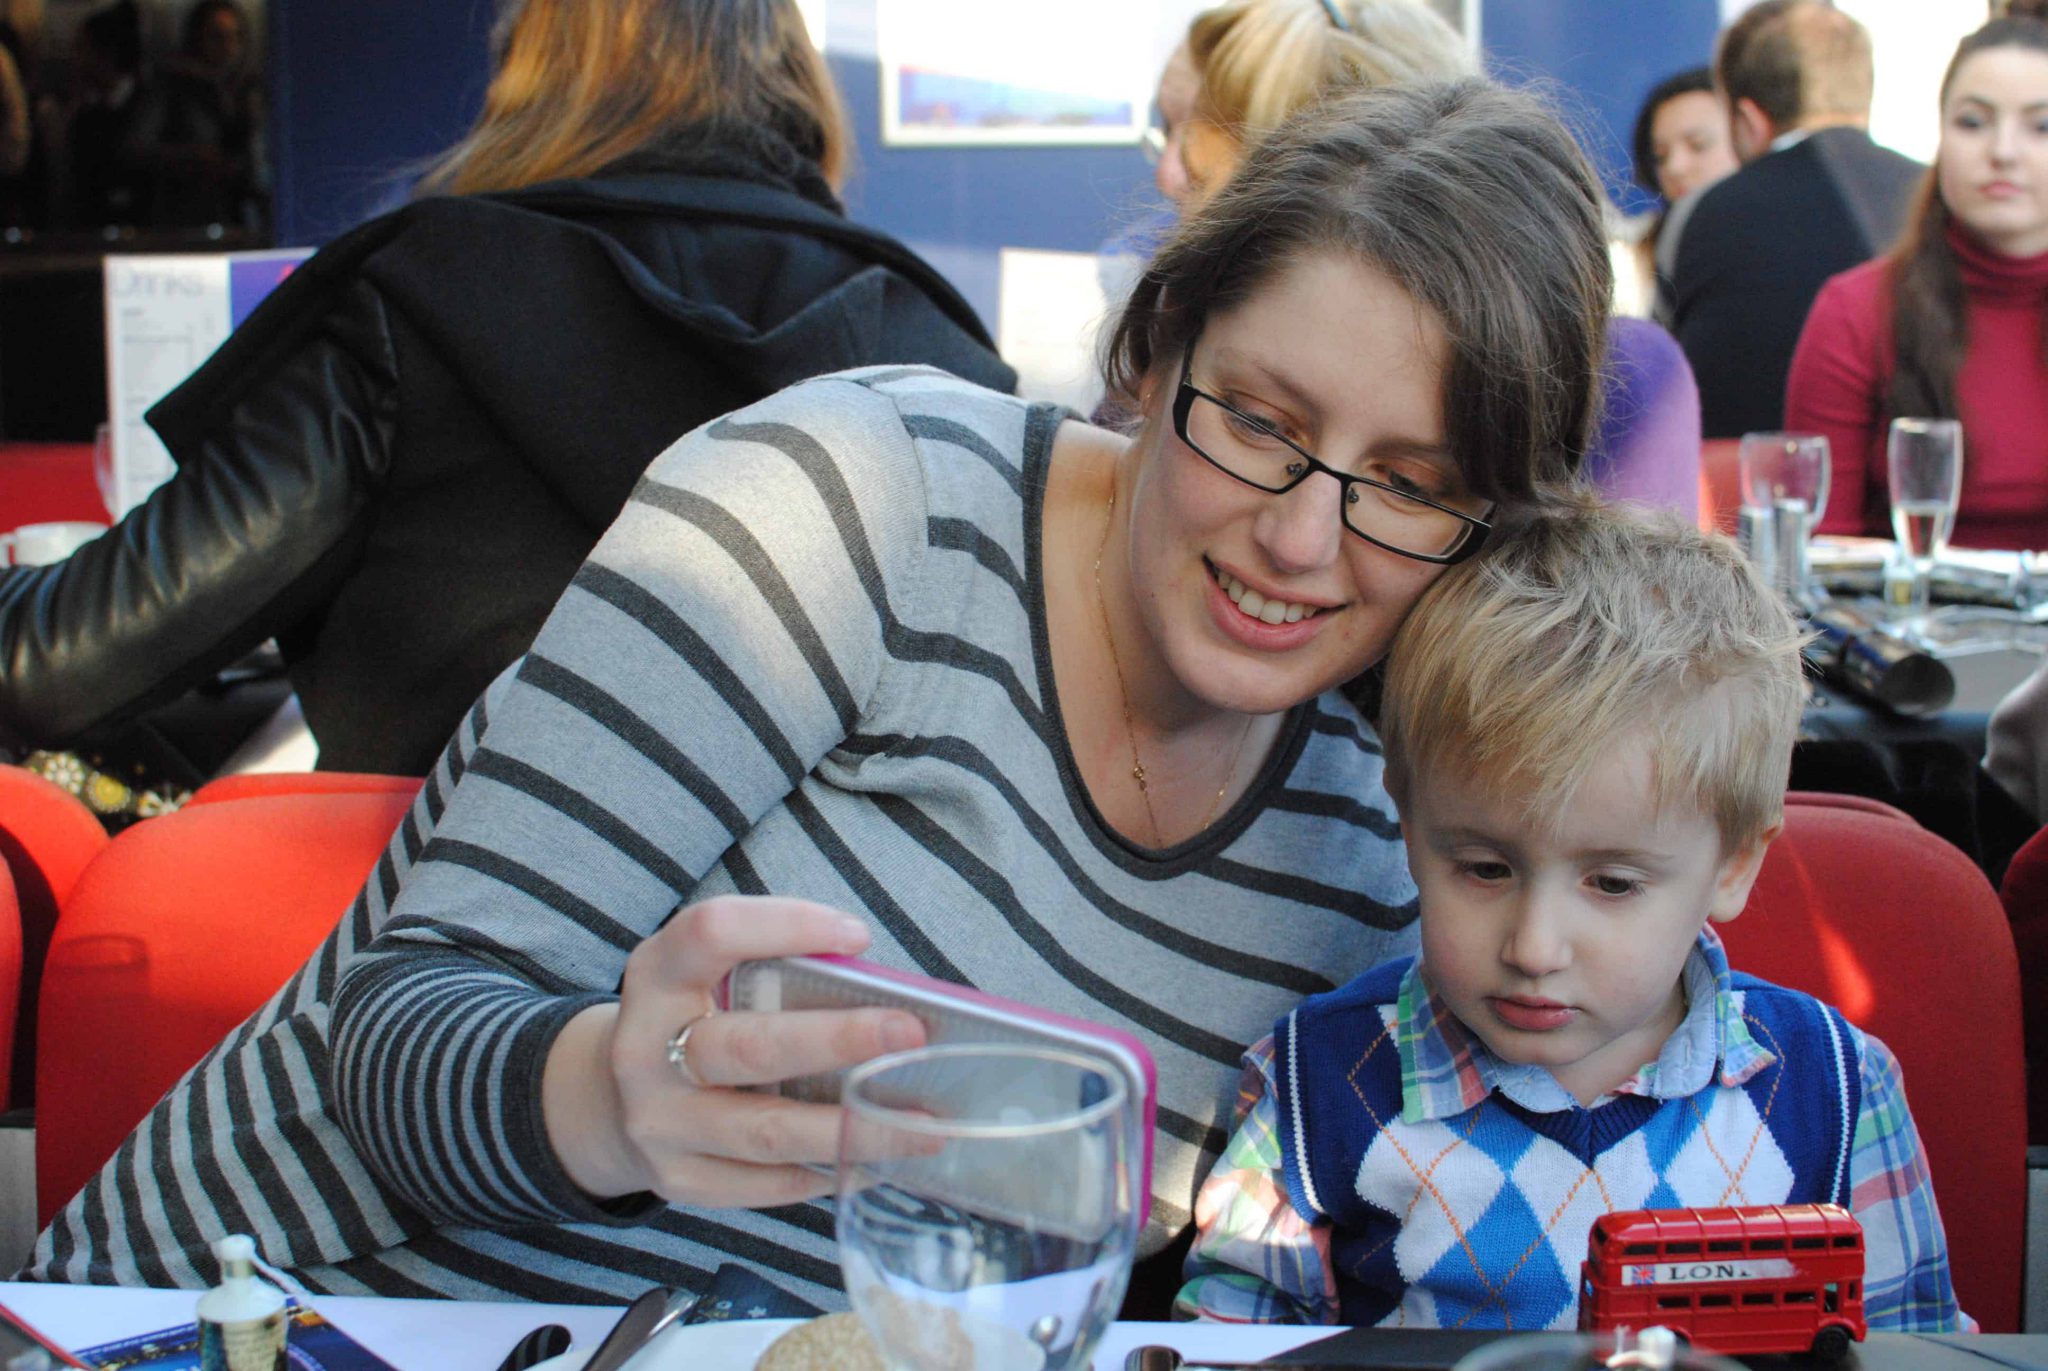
(894, 665)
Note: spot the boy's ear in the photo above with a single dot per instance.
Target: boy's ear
(1738, 873)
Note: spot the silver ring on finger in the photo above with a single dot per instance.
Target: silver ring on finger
(679, 1049)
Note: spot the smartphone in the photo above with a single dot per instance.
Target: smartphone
(24, 1349)
(951, 1014)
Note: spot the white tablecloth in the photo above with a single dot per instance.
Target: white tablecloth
(443, 1335)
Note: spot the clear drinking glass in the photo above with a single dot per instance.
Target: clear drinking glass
(1784, 494)
(1926, 463)
(987, 1215)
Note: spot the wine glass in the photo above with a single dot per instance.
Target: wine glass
(1926, 461)
(1784, 495)
(987, 1215)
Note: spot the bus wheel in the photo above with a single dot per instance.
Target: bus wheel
(1831, 1344)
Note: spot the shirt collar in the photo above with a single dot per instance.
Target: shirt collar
(1446, 1069)
(1790, 138)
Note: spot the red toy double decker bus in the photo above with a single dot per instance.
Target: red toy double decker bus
(1767, 1278)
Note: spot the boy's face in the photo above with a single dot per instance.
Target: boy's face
(1562, 945)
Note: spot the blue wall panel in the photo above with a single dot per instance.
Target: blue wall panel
(1606, 54)
(360, 93)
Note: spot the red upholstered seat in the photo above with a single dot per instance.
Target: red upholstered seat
(2025, 892)
(10, 974)
(47, 836)
(176, 932)
(269, 783)
(1896, 927)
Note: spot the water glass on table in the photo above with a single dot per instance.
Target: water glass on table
(1925, 459)
(1784, 494)
(987, 1213)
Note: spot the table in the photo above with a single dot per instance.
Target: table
(48, 482)
(437, 1335)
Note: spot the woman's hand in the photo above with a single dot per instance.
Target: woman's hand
(623, 1118)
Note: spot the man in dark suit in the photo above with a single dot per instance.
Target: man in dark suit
(1814, 196)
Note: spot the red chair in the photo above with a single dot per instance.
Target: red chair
(1859, 905)
(2025, 893)
(1720, 483)
(10, 974)
(178, 931)
(47, 837)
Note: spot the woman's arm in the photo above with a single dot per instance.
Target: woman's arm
(255, 530)
(499, 1051)
(1836, 387)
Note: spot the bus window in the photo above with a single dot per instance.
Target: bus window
(1831, 1297)
(1716, 1301)
(1845, 1240)
(1673, 1302)
(1768, 1245)
(1639, 1249)
(1799, 1297)
(1808, 1244)
(1686, 1249)
(1758, 1297)
(1724, 1246)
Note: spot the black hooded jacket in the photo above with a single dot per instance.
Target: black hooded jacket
(397, 463)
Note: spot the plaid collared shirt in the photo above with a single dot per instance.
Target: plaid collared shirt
(1257, 1260)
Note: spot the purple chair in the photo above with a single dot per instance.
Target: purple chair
(1647, 446)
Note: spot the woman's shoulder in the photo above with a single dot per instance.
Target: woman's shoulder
(876, 421)
(1863, 291)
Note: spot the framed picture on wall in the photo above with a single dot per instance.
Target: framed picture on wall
(1053, 72)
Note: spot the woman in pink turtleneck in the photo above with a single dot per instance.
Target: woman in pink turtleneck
(1953, 322)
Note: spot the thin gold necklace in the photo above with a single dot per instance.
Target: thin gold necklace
(1124, 696)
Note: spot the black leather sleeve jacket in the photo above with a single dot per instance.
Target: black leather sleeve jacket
(264, 516)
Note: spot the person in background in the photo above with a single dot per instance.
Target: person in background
(396, 464)
(206, 125)
(1681, 146)
(1814, 197)
(17, 129)
(1587, 733)
(1256, 62)
(1953, 321)
(102, 168)
(893, 663)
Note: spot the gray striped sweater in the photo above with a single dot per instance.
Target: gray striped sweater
(809, 659)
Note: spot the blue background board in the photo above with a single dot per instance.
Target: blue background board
(360, 93)
(365, 90)
(1606, 55)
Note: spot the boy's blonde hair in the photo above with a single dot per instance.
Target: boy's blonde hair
(1523, 668)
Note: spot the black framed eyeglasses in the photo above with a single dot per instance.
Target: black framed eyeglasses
(1406, 522)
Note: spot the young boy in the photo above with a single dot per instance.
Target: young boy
(1587, 733)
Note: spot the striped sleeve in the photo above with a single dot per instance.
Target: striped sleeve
(1906, 1284)
(721, 640)
(1255, 1259)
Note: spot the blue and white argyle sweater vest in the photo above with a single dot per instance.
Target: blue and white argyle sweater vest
(1479, 1219)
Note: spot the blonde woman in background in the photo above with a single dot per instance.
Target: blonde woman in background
(1254, 62)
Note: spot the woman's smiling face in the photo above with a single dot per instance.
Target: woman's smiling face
(1336, 356)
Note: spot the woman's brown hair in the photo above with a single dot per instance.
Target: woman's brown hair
(583, 83)
(1930, 327)
(1474, 200)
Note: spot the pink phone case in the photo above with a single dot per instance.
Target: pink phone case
(1121, 1049)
